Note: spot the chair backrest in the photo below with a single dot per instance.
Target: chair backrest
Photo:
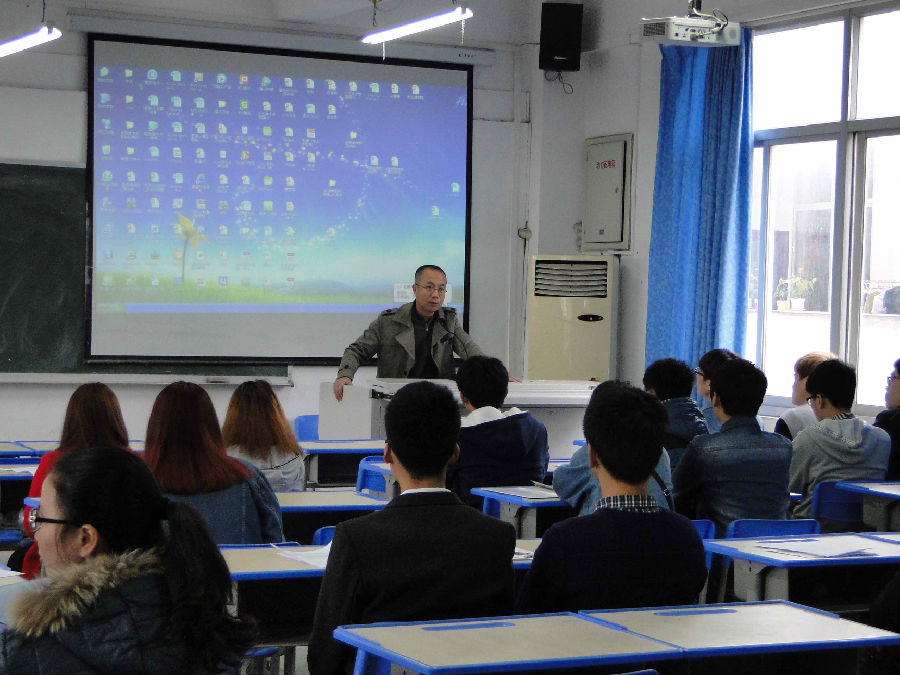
(306, 427)
(323, 535)
(831, 503)
(707, 530)
(761, 527)
(367, 479)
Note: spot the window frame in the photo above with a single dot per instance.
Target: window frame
(852, 136)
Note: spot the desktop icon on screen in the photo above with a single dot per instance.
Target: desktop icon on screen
(129, 98)
(176, 76)
(221, 78)
(266, 81)
(129, 72)
(288, 82)
(152, 74)
(152, 125)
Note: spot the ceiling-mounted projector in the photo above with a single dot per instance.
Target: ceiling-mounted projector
(697, 28)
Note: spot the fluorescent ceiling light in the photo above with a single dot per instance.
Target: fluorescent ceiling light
(436, 21)
(45, 33)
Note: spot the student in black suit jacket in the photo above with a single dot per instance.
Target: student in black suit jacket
(629, 552)
(426, 555)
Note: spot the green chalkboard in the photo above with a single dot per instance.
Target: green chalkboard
(43, 239)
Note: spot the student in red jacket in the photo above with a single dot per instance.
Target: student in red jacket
(93, 419)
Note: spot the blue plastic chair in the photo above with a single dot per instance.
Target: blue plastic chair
(830, 503)
(762, 527)
(323, 535)
(369, 479)
(306, 427)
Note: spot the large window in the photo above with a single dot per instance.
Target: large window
(825, 256)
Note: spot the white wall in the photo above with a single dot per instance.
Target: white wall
(528, 168)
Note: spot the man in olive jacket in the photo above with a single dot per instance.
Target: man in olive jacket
(415, 340)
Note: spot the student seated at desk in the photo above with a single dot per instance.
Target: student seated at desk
(840, 446)
(93, 419)
(134, 582)
(495, 448)
(630, 552)
(796, 419)
(257, 431)
(741, 471)
(185, 451)
(709, 363)
(426, 555)
(671, 381)
(889, 420)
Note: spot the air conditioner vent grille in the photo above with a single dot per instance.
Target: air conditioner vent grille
(568, 279)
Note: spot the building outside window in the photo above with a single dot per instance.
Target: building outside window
(825, 242)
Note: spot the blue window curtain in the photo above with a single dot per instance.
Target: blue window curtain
(700, 237)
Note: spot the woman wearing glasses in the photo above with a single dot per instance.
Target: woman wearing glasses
(133, 582)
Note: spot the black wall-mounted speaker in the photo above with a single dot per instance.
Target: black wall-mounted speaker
(560, 36)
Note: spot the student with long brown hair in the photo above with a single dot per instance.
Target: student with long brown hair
(185, 451)
(93, 419)
(257, 431)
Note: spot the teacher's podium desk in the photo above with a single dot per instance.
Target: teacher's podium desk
(335, 463)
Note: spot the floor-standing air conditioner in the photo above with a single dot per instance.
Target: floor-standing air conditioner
(571, 318)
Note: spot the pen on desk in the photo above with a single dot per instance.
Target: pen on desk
(541, 485)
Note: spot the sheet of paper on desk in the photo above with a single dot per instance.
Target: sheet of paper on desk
(817, 548)
(12, 573)
(317, 557)
(529, 492)
(521, 555)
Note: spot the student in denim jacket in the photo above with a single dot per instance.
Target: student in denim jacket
(742, 471)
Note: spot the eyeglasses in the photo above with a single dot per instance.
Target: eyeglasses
(431, 288)
(699, 372)
(810, 399)
(891, 378)
(35, 520)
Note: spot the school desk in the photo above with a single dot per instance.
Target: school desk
(13, 449)
(721, 638)
(490, 645)
(881, 502)
(335, 463)
(377, 479)
(303, 513)
(39, 447)
(530, 509)
(826, 570)
(281, 592)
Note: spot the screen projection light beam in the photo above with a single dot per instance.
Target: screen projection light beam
(419, 26)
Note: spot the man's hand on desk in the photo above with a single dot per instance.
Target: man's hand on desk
(338, 387)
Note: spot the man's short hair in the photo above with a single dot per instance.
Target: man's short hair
(835, 380)
(808, 362)
(422, 268)
(669, 378)
(626, 428)
(714, 359)
(421, 424)
(740, 386)
(484, 380)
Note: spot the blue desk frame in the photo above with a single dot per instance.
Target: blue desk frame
(518, 510)
(881, 504)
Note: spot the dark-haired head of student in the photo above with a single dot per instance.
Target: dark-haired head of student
(624, 428)
(482, 381)
(421, 425)
(737, 389)
(831, 388)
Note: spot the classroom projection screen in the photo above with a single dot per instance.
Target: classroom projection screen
(267, 205)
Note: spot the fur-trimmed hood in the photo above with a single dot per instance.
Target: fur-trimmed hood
(51, 605)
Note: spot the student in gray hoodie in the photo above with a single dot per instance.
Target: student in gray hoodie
(840, 446)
